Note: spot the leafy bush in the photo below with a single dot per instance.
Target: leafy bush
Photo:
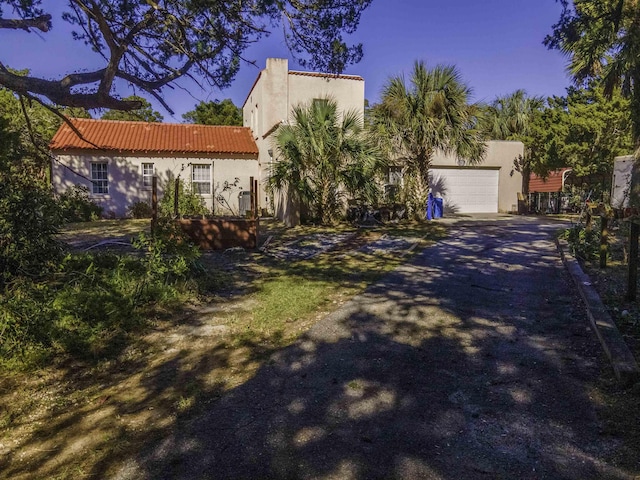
(189, 202)
(140, 210)
(76, 205)
(29, 219)
(583, 243)
(25, 318)
(94, 300)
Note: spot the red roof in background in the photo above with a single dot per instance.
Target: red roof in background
(553, 183)
(154, 137)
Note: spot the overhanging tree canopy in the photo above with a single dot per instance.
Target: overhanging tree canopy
(152, 43)
(602, 40)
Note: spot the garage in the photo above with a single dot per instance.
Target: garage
(466, 189)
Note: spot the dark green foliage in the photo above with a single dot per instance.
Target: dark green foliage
(584, 130)
(215, 113)
(91, 304)
(429, 113)
(602, 40)
(584, 243)
(325, 156)
(35, 134)
(29, 217)
(140, 210)
(510, 117)
(76, 205)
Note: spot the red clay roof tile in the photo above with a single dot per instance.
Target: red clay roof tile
(133, 137)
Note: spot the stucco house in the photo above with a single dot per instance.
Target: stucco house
(270, 102)
(489, 187)
(116, 160)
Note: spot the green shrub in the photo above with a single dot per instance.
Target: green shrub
(94, 309)
(189, 202)
(94, 300)
(583, 243)
(76, 205)
(29, 220)
(140, 210)
(25, 318)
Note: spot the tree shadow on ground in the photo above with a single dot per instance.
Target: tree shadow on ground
(471, 362)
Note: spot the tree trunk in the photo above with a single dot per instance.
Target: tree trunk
(422, 184)
(291, 214)
(526, 174)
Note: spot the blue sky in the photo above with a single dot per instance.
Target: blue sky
(495, 44)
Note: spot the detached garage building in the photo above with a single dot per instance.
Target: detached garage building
(489, 187)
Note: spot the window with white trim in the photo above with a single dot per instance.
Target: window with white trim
(99, 178)
(201, 178)
(147, 174)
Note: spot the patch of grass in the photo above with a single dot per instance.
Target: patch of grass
(354, 385)
(290, 295)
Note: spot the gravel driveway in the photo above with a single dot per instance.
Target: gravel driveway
(474, 361)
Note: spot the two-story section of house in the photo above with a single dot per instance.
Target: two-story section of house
(270, 102)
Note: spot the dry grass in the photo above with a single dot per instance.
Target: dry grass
(86, 232)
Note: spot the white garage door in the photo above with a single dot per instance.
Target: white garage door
(466, 190)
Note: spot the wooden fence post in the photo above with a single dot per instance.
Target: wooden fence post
(176, 200)
(633, 261)
(604, 240)
(154, 203)
(257, 202)
(252, 196)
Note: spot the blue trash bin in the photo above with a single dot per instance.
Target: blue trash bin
(438, 207)
(430, 206)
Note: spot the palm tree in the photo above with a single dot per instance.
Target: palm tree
(325, 156)
(511, 118)
(430, 114)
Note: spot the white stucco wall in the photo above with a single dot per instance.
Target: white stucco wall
(347, 93)
(272, 98)
(126, 180)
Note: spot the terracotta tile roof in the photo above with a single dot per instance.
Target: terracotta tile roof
(553, 183)
(145, 137)
(327, 75)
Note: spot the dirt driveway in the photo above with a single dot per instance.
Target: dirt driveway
(473, 362)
